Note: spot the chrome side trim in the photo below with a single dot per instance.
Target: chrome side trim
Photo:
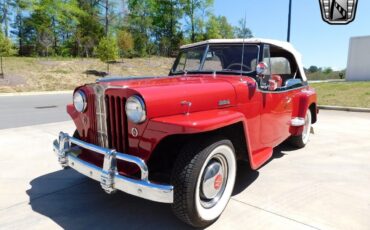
(108, 176)
(122, 78)
(297, 121)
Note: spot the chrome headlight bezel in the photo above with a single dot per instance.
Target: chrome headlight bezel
(136, 114)
(80, 101)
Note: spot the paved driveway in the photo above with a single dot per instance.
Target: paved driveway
(324, 186)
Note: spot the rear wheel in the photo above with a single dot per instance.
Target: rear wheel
(203, 178)
(302, 140)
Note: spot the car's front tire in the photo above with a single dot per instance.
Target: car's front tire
(203, 179)
(302, 140)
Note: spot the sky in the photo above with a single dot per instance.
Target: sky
(319, 43)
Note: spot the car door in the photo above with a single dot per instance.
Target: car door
(276, 107)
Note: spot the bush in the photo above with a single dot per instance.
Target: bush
(6, 46)
(125, 43)
(107, 50)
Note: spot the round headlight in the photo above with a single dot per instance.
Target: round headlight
(135, 109)
(79, 101)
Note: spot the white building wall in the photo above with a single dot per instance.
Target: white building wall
(358, 65)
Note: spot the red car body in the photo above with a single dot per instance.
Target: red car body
(176, 139)
(265, 116)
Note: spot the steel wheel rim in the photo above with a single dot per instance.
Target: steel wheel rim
(213, 178)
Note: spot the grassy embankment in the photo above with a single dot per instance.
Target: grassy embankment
(50, 74)
(351, 94)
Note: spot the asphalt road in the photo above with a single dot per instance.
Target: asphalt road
(323, 186)
(18, 111)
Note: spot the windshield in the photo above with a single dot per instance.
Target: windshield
(217, 58)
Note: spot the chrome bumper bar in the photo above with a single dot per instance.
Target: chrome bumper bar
(108, 176)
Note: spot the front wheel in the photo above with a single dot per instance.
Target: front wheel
(203, 179)
(302, 140)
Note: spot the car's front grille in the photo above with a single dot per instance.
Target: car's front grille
(92, 116)
(116, 123)
(89, 134)
(107, 126)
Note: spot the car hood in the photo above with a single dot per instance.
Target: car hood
(165, 96)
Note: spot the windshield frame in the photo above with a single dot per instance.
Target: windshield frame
(201, 65)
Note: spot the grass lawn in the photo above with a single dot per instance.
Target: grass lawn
(50, 74)
(351, 94)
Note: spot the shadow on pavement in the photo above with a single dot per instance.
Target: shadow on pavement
(83, 205)
(244, 178)
(280, 151)
(76, 202)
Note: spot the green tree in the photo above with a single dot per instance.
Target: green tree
(166, 25)
(213, 29)
(218, 27)
(194, 11)
(88, 31)
(140, 24)
(242, 31)
(53, 20)
(107, 12)
(19, 28)
(107, 50)
(125, 42)
(5, 14)
(6, 49)
(313, 69)
(226, 30)
(327, 70)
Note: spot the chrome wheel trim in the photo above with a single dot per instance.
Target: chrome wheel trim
(214, 181)
(210, 209)
(307, 128)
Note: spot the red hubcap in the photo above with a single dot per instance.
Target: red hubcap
(218, 182)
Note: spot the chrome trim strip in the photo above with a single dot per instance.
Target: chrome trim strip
(122, 78)
(101, 115)
(108, 176)
(297, 121)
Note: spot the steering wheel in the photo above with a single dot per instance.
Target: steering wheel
(239, 64)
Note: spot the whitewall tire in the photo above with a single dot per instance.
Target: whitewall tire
(203, 178)
(302, 140)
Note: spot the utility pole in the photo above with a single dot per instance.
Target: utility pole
(289, 20)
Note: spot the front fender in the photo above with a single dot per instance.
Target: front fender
(196, 122)
(199, 122)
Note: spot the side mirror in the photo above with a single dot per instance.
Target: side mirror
(261, 68)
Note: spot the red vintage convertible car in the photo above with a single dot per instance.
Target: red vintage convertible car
(176, 139)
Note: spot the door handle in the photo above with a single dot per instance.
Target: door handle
(288, 100)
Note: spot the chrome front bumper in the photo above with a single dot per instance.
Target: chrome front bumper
(108, 176)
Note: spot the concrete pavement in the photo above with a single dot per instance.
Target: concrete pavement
(323, 186)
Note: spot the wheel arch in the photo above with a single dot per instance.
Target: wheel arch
(166, 152)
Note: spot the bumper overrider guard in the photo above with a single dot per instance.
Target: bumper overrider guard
(108, 176)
